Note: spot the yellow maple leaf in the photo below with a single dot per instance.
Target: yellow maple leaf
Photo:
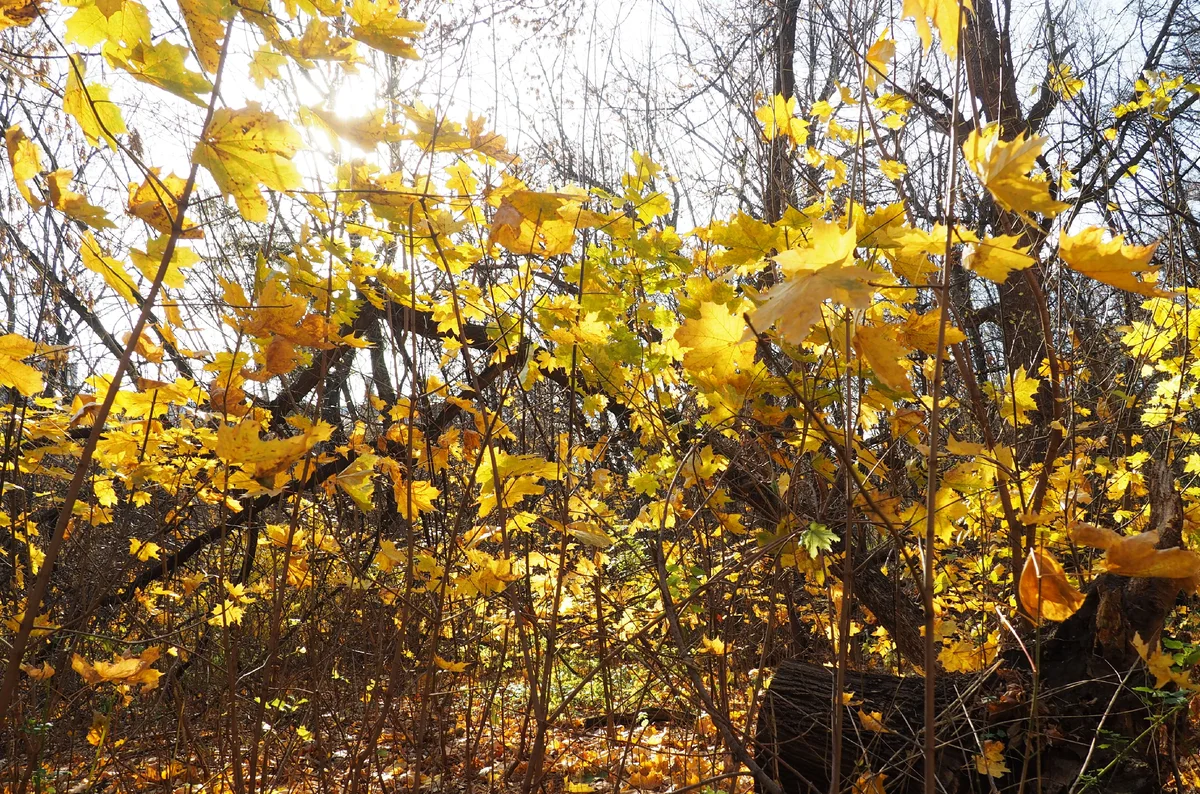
(112, 271)
(121, 23)
(991, 761)
(98, 731)
(715, 342)
(1063, 82)
(946, 17)
(893, 169)
(1138, 555)
(1160, 665)
(872, 721)
(1110, 261)
(356, 480)
(144, 550)
(778, 118)
(449, 666)
(920, 331)
(74, 204)
(527, 222)
(227, 613)
(880, 345)
(366, 131)
(205, 21)
(161, 64)
(879, 56)
(1045, 590)
(381, 24)
(19, 13)
(38, 673)
(14, 349)
(156, 201)
(26, 162)
(122, 670)
(245, 148)
(419, 493)
(870, 783)
(240, 445)
(1003, 167)
(97, 115)
(813, 275)
(996, 258)
(148, 262)
(1016, 405)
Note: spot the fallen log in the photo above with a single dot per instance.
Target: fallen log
(1087, 719)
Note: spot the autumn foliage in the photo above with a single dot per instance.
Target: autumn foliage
(346, 452)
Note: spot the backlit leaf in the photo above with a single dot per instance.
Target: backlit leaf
(1110, 261)
(246, 148)
(26, 163)
(1045, 590)
(945, 16)
(89, 105)
(1004, 166)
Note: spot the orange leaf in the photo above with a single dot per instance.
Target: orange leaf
(1045, 590)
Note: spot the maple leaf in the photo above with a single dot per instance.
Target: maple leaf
(367, 131)
(778, 118)
(794, 306)
(818, 539)
(879, 56)
(991, 761)
(144, 550)
(1161, 665)
(245, 148)
(26, 162)
(14, 349)
(122, 670)
(38, 673)
(1110, 261)
(880, 346)
(589, 534)
(381, 24)
(1063, 82)
(946, 18)
(19, 13)
(98, 117)
(872, 721)
(715, 342)
(1015, 406)
(420, 493)
(205, 20)
(156, 201)
(893, 169)
(996, 258)
(449, 666)
(112, 271)
(920, 332)
(870, 783)
(120, 22)
(356, 480)
(240, 445)
(1003, 167)
(161, 64)
(318, 43)
(227, 613)
(76, 205)
(1138, 555)
(528, 222)
(1045, 590)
